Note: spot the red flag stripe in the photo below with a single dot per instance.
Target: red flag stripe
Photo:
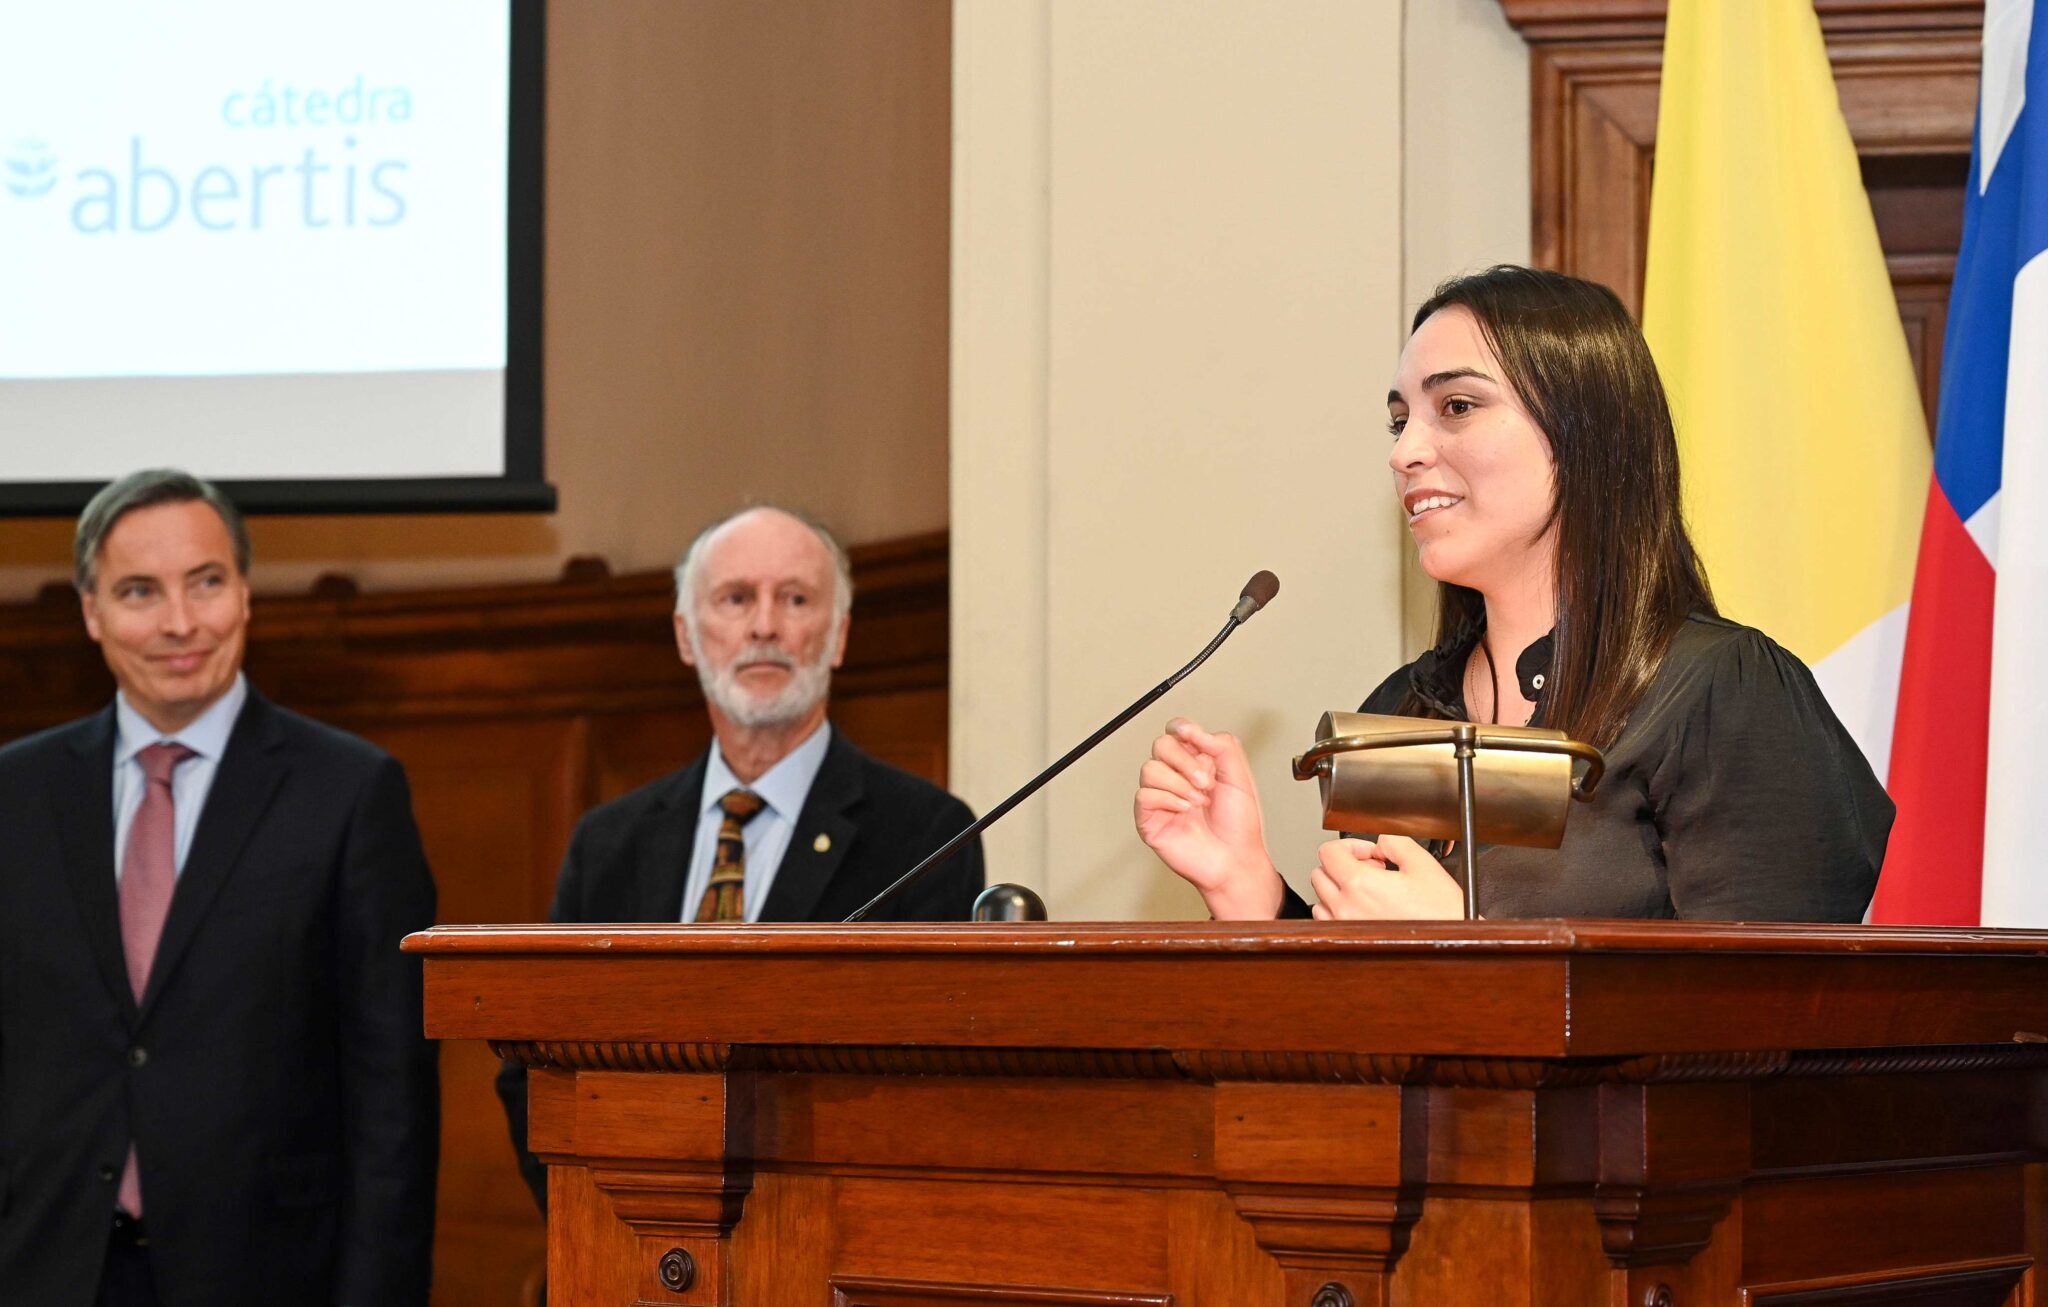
(1933, 865)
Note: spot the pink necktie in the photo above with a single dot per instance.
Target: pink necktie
(149, 872)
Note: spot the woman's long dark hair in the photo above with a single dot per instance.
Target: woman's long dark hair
(1626, 572)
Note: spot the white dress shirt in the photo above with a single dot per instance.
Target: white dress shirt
(207, 737)
(783, 788)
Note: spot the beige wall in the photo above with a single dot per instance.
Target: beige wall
(1465, 171)
(1185, 243)
(746, 295)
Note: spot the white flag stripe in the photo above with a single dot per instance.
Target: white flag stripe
(1861, 680)
(2015, 885)
(1983, 527)
(2002, 92)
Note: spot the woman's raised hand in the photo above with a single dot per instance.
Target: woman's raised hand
(1198, 809)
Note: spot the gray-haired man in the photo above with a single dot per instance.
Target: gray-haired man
(782, 819)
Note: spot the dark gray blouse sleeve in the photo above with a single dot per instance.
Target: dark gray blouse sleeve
(1766, 809)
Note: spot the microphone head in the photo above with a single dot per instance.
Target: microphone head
(1257, 593)
(1260, 589)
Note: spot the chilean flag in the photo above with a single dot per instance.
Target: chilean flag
(1966, 758)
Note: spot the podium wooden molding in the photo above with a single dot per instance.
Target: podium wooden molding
(1297, 1114)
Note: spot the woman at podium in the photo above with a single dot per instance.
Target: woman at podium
(1534, 455)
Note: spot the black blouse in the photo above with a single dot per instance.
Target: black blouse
(1733, 793)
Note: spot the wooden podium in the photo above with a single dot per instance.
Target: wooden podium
(1573, 1114)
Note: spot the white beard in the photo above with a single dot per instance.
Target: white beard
(804, 691)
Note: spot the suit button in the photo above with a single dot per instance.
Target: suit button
(108, 1174)
(138, 1056)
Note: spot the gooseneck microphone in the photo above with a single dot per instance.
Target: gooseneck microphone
(1257, 593)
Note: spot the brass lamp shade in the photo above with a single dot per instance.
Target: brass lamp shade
(1399, 776)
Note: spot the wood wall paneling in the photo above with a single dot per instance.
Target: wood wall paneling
(1906, 71)
(515, 709)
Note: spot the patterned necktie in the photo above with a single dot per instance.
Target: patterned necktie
(725, 896)
(149, 872)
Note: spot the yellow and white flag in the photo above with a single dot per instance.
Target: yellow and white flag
(1802, 442)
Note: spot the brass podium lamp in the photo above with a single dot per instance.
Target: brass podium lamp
(1439, 780)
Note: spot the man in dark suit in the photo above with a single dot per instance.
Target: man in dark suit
(783, 819)
(214, 1089)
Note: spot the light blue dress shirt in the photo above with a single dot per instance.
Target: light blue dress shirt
(783, 787)
(207, 737)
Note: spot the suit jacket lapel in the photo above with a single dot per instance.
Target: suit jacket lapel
(253, 766)
(806, 868)
(83, 797)
(667, 864)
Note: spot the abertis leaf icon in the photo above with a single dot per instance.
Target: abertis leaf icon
(30, 169)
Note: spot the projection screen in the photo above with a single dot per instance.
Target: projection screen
(295, 248)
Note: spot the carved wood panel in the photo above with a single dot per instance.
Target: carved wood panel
(1906, 71)
(1965, 1284)
(861, 1291)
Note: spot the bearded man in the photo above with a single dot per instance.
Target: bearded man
(782, 819)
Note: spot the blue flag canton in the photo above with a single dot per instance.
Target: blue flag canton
(2005, 226)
